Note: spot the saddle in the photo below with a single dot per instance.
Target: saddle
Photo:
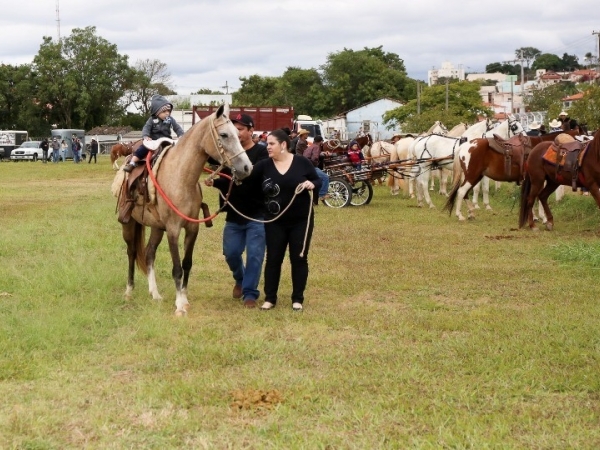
(566, 154)
(516, 148)
(135, 188)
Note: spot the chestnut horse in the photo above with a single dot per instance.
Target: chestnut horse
(542, 178)
(178, 175)
(476, 159)
(121, 149)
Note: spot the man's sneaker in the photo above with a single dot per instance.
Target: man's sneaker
(128, 168)
(237, 291)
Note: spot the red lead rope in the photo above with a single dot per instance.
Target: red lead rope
(169, 202)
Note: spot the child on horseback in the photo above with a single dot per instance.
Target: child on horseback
(157, 126)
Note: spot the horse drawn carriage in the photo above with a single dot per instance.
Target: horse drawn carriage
(349, 185)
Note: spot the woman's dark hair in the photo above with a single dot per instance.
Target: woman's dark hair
(282, 137)
(287, 130)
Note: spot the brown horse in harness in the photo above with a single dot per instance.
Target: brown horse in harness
(121, 149)
(560, 162)
(179, 208)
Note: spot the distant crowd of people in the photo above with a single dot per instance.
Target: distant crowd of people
(562, 123)
(59, 151)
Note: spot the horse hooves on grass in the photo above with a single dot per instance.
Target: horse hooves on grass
(549, 226)
(180, 313)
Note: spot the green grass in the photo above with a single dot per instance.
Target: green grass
(418, 331)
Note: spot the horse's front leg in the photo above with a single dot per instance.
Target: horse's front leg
(181, 302)
(188, 249)
(156, 236)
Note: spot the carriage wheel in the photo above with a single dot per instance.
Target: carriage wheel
(362, 193)
(340, 194)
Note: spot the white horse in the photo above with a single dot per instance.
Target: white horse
(510, 127)
(434, 151)
(442, 174)
(401, 154)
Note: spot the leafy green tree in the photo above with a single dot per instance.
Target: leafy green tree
(547, 61)
(19, 108)
(504, 68)
(587, 110)
(150, 77)
(570, 62)
(352, 78)
(464, 105)
(80, 79)
(206, 91)
(550, 98)
(257, 90)
(528, 54)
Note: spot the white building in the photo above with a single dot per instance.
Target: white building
(446, 71)
(367, 118)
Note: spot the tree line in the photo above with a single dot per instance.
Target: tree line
(82, 81)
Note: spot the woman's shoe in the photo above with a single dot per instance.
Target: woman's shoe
(266, 306)
(296, 306)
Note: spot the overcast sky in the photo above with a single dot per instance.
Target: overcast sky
(206, 43)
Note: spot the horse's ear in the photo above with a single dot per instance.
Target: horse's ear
(223, 110)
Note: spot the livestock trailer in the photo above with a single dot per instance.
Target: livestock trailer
(67, 135)
(9, 140)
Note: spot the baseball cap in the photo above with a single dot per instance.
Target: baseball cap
(244, 119)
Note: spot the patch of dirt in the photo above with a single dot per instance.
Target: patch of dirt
(255, 399)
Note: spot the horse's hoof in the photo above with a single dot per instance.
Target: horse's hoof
(488, 207)
(461, 218)
(432, 206)
(549, 226)
(180, 313)
(157, 297)
(476, 207)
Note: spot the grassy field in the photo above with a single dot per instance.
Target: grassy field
(418, 331)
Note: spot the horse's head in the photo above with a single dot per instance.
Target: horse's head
(227, 148)
(514, 126)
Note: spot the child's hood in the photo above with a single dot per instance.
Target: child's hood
(157, 102)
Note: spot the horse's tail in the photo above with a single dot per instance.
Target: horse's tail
(457, 178)
(139, 241)
(525, 190)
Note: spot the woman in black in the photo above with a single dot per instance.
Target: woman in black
(281, 175)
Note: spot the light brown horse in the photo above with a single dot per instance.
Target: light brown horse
(121, 149)
(542, 178)
(178, 175)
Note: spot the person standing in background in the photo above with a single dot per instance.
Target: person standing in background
(93, 150)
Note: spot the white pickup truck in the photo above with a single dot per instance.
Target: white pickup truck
(28, 151)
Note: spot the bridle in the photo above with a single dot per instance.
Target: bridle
(226, 161)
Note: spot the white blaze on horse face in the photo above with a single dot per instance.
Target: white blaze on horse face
(233, 153)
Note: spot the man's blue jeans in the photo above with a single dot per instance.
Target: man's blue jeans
(251, 238)
(324, 182)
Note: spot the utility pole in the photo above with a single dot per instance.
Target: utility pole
(58, 20)
(520, 60)
(418, 98)
(226, 87)
(446, 94)
(597, 33)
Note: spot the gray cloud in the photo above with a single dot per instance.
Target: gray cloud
(206, 43)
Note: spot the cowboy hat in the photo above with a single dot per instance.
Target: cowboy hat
(302, 131)
(562, 113)
(534, 126)
(555, 123)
